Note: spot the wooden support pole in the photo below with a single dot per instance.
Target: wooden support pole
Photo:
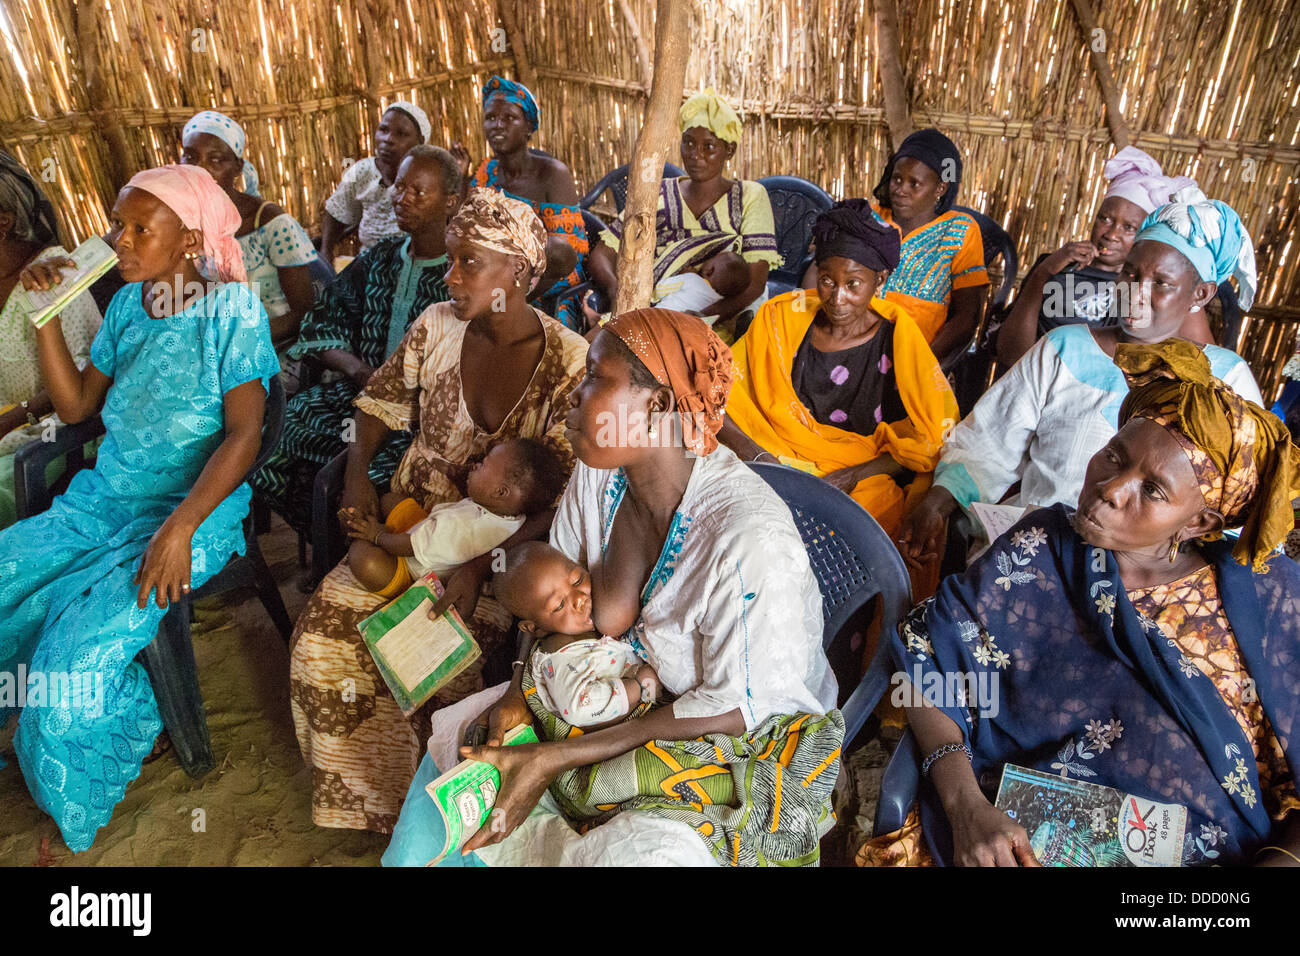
(897, 113)
(372, 63)
(523, 66)
(636, 253)
(1083, 13)
(105, 117)
(638, 40)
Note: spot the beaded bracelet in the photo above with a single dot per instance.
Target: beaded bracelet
(943, 752)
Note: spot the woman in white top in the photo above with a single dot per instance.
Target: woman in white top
(276, 248)
(1041, 422)
(361, 201)
(698, 564)
(28, 232)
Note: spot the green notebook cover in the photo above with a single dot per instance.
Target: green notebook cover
(466, 793)
(416, 656)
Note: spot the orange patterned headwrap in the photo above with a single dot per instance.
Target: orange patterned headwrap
(683, 353)
(1243, 457)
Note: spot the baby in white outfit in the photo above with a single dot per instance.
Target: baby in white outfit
(588, 680)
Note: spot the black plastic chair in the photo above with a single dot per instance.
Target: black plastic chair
(616, 182)
(796, 204)
(970, 368)
(1230, 310)
(854, 561)
(328, 542)
(169, 659)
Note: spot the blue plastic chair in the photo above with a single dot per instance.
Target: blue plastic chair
(616, 182)
(854, 561)
(169, 659)
(796, 204)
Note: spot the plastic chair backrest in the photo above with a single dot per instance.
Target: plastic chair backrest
(272, 424)
(997, 242)
(850, 553)
(616, 182)
(796, 203)
(1230, 334)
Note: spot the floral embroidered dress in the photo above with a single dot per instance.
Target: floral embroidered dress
(362, 750)
(67, 595)
(1183, 693)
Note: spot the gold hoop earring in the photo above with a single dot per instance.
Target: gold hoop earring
(1173, 550)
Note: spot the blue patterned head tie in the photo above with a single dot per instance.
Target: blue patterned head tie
(515, 93)
(1210, 234)
(229, 132)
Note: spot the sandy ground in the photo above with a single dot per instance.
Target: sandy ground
(257, 803)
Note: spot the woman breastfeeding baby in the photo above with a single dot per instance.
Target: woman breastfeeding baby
(179, 373)
(707, 734)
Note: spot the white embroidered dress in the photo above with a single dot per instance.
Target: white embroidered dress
(731, 616)
(1045, 418)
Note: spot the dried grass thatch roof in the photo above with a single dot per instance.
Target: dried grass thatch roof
(94, 91)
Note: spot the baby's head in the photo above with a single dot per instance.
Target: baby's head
(517, 477)
(548, 593)
(727, 273)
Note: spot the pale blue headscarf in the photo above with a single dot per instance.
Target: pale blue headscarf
(229, 132)
(1210, 234)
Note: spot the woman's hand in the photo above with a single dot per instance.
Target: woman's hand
(360, 373)
(14, 418)
(921, 537)
(44, 274)
(506, 714)
(462, 588)
(165, 567)
(461, 155)
(985, 836)
(526, 771)
(359, 498)
(363, 527)
(845, 479)
(1072, 253)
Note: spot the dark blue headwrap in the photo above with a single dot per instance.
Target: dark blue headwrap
(515, 93)
(936, 151)
(850, 229)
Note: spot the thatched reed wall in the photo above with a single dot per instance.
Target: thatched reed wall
(93, 90)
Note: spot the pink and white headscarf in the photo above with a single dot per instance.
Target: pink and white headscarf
(199, 203)
(1137, 177)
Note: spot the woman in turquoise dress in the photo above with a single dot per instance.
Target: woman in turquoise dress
(179, 372)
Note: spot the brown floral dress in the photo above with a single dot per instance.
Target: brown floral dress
(362, 750)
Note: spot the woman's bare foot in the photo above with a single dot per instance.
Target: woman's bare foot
(161, 745)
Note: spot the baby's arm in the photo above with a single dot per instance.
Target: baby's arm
(366, 528)
(647, 683)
